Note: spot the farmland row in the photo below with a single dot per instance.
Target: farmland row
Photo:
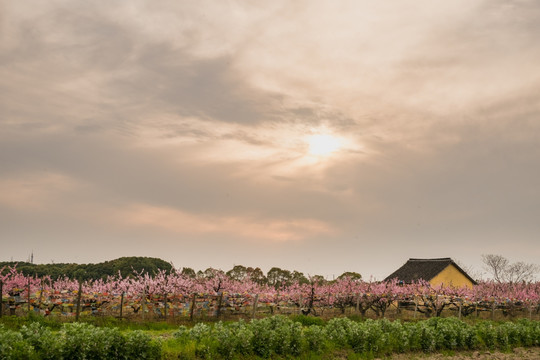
(172, 294)
(270, 337)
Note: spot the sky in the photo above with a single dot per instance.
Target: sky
(315, 136)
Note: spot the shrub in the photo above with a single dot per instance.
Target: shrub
(46, 345)
(487, 334)
(527, 332)
(308, 320)
(374, 337)
(84, 341)
(277, 334)
(339, 330)
(226, 341)
(287, 338)
(13, 346)
(315, 338)
(199, 332)
(77, 340)
(398, 338)
(243, 335)
(511, 335)
(261, 340)
(356, 335)
(450, 333)
(182, 333)
(113, 344)
(139, 345)
(428, 340)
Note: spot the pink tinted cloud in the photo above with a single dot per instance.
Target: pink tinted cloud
(177, 221)
(35, 191)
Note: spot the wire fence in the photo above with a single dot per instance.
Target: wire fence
(171, 307)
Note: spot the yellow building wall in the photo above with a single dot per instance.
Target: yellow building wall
(451, 276)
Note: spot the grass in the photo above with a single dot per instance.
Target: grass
(55, 322)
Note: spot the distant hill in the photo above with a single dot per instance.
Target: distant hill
(126, 266)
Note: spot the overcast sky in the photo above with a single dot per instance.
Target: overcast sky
(318, 136)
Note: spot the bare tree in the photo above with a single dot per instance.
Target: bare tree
(521, 272)
(496, 265)
(503, 271)
(472, 272)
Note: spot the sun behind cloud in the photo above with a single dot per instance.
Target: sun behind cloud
(323, 144)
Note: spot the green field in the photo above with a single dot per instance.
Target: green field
(277, 337)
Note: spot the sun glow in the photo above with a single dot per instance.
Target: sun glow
(323, 145)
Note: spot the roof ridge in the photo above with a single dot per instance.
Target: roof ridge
(426, 269)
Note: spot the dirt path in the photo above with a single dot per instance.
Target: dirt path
(516, 354)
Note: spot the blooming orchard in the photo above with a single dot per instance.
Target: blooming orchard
(43, 294)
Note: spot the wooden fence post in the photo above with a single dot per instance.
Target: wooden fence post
(40, 295)
(121, 305)
(192, 309)
(459, 311)
(143, 303)
(173, 301)
(28, 296)
(165, 306)
(78, 311)
(415, 306)
(255, 301)
(1, 298)
(328, 301)
(358, 302)
(493, 310)
(220, 300)
(299, 310)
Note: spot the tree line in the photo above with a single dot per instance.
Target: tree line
(275, 277)
(124, 265)
(498, 267)
(129, 266)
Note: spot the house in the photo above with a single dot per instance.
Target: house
(436, 271)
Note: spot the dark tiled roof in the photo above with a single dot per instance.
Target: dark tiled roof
(426, 269)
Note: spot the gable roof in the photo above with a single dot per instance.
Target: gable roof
(426, 269)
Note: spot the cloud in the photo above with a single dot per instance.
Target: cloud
(257, 230)
(167, 114)
(36, 191)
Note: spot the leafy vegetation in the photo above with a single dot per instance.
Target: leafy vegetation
(279, 335)
(128, 266)
(125, 266)
(271, 337)
(76, 341)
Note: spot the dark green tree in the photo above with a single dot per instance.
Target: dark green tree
(238, 272)
(278, 277)
(351, 275)
(187, 271)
